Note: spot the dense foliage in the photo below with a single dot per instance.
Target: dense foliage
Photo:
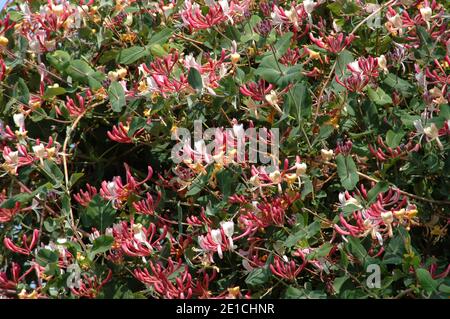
(93, 203)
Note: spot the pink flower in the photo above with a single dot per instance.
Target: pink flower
(117, 191)
(287, 269)
(90, 287)
(85, 197)
(147, 206)
(137, 240)
(26, 248)
(333, 43)
(179, 288)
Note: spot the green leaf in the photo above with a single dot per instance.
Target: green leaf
(347, 171)
(339, 282)
(274, 72)
(344, 58)
(59, 59)
(425, 280)
(22, 198)
(102, 244)
(74, 178)
(21, 92)
(257, 277)
(296, 293)
(195, 79)
(53, 172)
(324, 133)
(283, 44)
(51, 92)
(161, 37)
(82, 72)
(394, 251)
(99, 214)
(397, 83)
(116, 95)
(378, 96)
(357, 249)
(47, 256)
(300, 101)
(393, 139)
(131, 55)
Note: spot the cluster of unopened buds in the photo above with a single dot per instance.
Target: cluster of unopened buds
(90, 287)
(119, 133)
(218, 13)
(378, 219)
(288, 269)
(384, 152)
(26, 247)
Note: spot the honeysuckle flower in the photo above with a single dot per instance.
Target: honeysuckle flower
(272, 99)
(19, 121)
(300, 169)
(426, 13)
(326, 155)
(382, 63)
(309, 6)
(39, 152)
(432, 132)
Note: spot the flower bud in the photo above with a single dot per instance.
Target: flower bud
(3, 41)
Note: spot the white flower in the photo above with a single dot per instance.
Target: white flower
(113, 76)
(300, 168)
(228, 228)
(39, 150)
(387, 217)
(326, 154)
(272, 99)
(129, 20)
(216, 236)
(350, 201)
(309, 6)
(382, 63)
(255, 181)
(19, 120)
(275, 177)
(419, 127)
(12, 158)
(112, 187)
(431, 131)
(425, 12)
(336, 27)
(396, 21)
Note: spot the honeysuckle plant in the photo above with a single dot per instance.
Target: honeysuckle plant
(96, 95)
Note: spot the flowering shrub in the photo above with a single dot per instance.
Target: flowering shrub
(95, 95)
